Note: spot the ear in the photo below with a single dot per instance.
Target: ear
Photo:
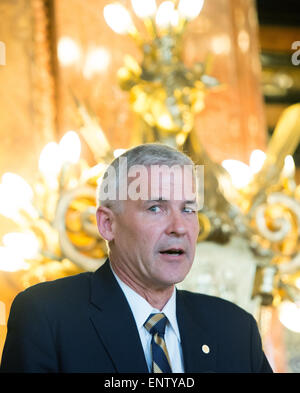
(105, 218)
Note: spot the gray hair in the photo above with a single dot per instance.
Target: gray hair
(146, 154)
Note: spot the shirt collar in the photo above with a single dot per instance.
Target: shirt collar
(141, 309)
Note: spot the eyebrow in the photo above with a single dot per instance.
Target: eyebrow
(160, 199)
(191, 202)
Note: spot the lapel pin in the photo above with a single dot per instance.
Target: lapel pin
(205, 349)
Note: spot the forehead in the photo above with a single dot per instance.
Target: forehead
(162, 182)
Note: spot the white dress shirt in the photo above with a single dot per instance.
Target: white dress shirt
(141, 310)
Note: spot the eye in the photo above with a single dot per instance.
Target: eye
(189, 210)
(154, 208)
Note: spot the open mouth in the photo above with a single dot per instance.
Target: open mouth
(172, 251)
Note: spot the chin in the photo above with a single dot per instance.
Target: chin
(171, 272)
(174, 277)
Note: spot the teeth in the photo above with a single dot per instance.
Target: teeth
(176, 252)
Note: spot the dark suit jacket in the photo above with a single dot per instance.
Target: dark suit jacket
(83, 323)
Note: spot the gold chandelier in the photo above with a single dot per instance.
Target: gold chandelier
(163, 92)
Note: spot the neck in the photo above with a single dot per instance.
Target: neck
(157, 297)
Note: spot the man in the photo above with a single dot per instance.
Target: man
(128, 316)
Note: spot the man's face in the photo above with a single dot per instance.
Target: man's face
(154, 237)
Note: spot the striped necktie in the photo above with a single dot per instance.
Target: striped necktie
(156, 324)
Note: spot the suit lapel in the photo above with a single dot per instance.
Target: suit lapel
(114, 323)
(198, 346)
(113, 320)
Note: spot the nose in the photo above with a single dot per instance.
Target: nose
(176, 225)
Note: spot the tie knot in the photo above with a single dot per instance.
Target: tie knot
(156, 323)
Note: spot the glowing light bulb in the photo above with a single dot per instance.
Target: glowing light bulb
(243, 40)
(144, 9)
(289, 315)
(94, 171)
(289, 167)
(10, 262)
(164, 15)
(68, 51)
(239, 172)
(175, 18)
(97, 61)
(18, 186)
(165, 121)
(118, 18)
(50, 160)
(190, 9)
(221, 44)
(118, 152)
(15, 194)
(24, 245)
(7, 206)
(256, 161)
(69, 147)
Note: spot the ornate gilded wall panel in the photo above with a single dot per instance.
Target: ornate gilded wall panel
(82, 23)
(27, 111)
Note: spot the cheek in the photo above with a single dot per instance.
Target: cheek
(136, 232)
(149, 235)
(196, 232)
(194, 229)
(148, 238)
